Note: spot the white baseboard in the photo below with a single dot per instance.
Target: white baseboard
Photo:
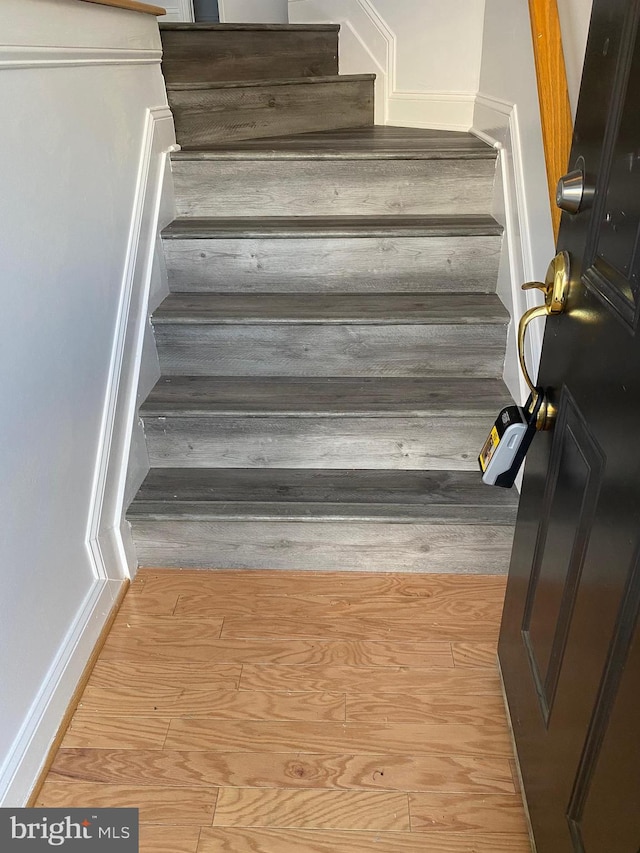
(111, 555)
(25, 762)
(435, 110)
(496, 122)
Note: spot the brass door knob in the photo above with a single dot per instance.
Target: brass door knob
(556, 290)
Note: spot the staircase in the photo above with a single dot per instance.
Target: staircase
(332, 346)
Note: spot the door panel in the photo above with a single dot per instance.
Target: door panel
(567, 515)
(603, 813)
(569, 647)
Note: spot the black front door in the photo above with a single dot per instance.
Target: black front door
(570, 640)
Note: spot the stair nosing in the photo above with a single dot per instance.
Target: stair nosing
(415, 491)
(277, 81)
(319, 495)
(192, 316)
(186, 228)
(229, 27)
(318, 400)
(142, 510)
(229, 153)
(204, 155)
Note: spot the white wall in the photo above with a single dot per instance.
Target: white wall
(507, 112)
(426, 54)
(83, 147)
(574, 22)
(253, 11)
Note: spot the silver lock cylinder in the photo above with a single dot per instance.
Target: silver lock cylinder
(570, 191)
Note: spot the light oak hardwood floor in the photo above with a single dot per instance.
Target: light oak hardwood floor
(282, 712)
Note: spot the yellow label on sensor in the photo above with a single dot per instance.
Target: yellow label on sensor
(489, 448)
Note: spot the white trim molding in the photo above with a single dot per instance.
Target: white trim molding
(112, 555)
(368, 44)
(496, 122)
(435, 110)
(37, 56)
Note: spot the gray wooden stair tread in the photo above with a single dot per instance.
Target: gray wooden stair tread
(333, 226)
(319, 494)
(374, 142)
(202, 396)
(331, 308)
(175, 25)
(278, 81)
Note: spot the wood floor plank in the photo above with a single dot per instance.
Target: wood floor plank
(475, 654)
(157, 804)
(326, 607)
(137, 584)
(355, 628)
(88, 730)
(435, 812)
(173, 639)
(361, 679)
(168, 839)
(150, 602)
(403, 738)
(240, 840)
(452, 773)
(425, 708)
(139, 674)
(133, 633)
(332, 584)
(214, 704)
(309, 809)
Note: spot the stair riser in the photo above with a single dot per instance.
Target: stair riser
(359, 265)
(352, 442)
(316, 546)
(332, 187)
(286, 350)
(208, 116)
(194, 56)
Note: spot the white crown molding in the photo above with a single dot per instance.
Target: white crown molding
(37, 56)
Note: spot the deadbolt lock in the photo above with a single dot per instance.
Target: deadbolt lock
(574, 192)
